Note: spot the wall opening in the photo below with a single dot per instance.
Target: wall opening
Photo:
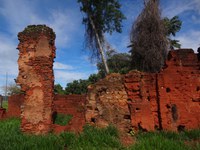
(174, 112)
(168, 90)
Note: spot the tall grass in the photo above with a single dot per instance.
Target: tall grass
(12, 139)
(167, 141)
(94, 139)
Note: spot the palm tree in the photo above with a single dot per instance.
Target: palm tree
(172, 26)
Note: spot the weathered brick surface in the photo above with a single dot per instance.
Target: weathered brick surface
(141, 91)
(14, 105)
(168, 100)
(36, 56)
(107, 103)
(179, 91)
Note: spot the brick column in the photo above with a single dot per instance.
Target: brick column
(36, 78)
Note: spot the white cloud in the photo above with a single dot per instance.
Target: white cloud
(195, 19)
(177, 7)
(8, 56)
(66, 23)
(190, 39)
(62, 66)
(64, 77)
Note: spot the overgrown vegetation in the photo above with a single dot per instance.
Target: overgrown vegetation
(95, 139)
(5, 104)
(62, 119)
(148, 39)
(117, 63)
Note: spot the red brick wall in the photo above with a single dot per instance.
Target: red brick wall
(168, 100)
(2, 113)
(74, 105)
(179, 91)
(141, 91)
(65, 104)
(14, 105)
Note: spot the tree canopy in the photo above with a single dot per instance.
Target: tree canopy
(117, 62)
(101, 16)
(80, 86)
(58, 89)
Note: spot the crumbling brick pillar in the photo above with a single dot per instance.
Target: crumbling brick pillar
(36, 78)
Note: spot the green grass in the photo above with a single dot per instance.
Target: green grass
(187, 140)
(62, 119)
(5, 104)
(94, 139)
(12, 139)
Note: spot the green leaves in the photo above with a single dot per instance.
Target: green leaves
(105, 14)
(172, 26)
(117, 62)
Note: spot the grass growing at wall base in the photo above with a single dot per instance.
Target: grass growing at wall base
(5, 104)
(94, 139)
(62, 119)
(187, 140)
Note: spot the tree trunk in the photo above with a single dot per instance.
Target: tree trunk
(100, 47)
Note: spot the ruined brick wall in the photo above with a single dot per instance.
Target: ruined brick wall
(179, 91)
(14, 105)
(142, 95)
(73, 105)
(107, 103)
(168, 100)
(64, 104)
(36, 56)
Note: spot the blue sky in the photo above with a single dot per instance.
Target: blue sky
(64, 16)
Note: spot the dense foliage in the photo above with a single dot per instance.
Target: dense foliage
(95, 139)
(80, 86)
(117, 62)
(58, 89)
(148, 39)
